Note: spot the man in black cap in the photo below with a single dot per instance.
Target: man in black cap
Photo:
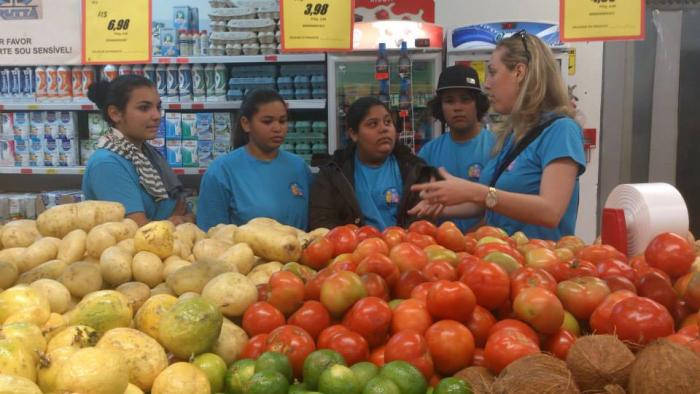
(465, 147)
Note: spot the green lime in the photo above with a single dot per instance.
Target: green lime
(364, 371)
(406, 376)
(238, 375)
(380, 385)
(338, 379)
(273, 361)
(267, 382)
(298, 388)
(452, 385)
(214, 367)
(316, 363)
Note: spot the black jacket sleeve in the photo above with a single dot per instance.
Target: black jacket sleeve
(322, 207)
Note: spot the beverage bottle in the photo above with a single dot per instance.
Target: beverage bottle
(51, 82)
(16, 82)
(162, 80)
(185, 82)
(88, 78)
(137, 70)
(382, 63)
(220, 80)
(149, 71)
(199, 87)
(210, 81)
(404, 62)
(204, 42)
(196, 44)
(39, 83)
(125, 69)
(182, 42)
(28, 82)
(384, 92)
(173, 82)
(5, 82)
(109, 72)
(77, 86)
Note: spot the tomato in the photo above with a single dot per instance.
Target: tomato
(451, 300)
(377, 356)
(286, 292)
(489, 282)
(312, 317)
(564, 254)
(597, 253)
(407, 282)
(692, 343)
(505, 347)
(370, 246)
(681, 284)
(690, 326)
(261, 318)
(451, 346)
(470, 243)
(490, 231)
(410, 346)
(324, 338)
(581, 296)
(486, 249)
(571, 242)
(411, 314)
(301, 271)
(559, 344)
(654, 285)
(293, 342)
(451, 237)
(466, 263)
(571, 269)
(638, 263)
(379, 264)
(344, 240)
(541, 258)
(525, 277)
(351, 345)
(423, 227)
(343, 262)
(640, 320)
(408, 256)
(543, 243)
(312, 290)
(515, 325)
(367, 231)
(480, 324)
(617, 282)
(393, 236)
(255, 347)
(263, 290)
(340, 291)
(318, 253)
(371, 318)
(670, 253)
(420, 240)
(420, 292)
(439, 270)
(611, 267)
(680, 311)
(375, 286)
(692, 291)
(600, 318)
(541, 308)
(478, 359)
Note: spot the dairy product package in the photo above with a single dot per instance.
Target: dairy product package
(51, 125)
(67, 152)
(67, 125)
(21, 153)
(173, 150)
(7, 124)
(7, 152)
(189, 126)
(87, 148)
(51, 156)
(97, 127)
(189, 154)
(222, 124)
(205, 131)
(36, 152)
(36, 124)
(21, 125)
(173, 126)
(205, 152)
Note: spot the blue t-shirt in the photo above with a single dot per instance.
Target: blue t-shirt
(111, 177)
(238, 187)
(378, 191)
(562, 139)
(461, 159)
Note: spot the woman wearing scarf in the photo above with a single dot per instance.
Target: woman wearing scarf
(125, 168)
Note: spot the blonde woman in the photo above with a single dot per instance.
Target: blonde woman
(532, 182)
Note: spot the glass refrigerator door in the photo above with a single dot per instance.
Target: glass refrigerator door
(352, 76)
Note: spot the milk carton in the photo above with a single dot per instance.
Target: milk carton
(161, 128)
(159, 145)
(189, 154)
(36, 152)
(182, 18)
(67, 152)
(189, 126)
(173, 126)
(97, 127)
(205, 152)
(87, 148)
(8, 124)
(67, 125)
(174, 152)
(220, 148)
(222, 124)
(169, 42)
(21, 125)
(51, 156)
(21, 153)
(205, 127)
(51, 125)
(36, 124)
(7, 152)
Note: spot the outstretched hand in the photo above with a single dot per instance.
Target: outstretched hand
(450, 191)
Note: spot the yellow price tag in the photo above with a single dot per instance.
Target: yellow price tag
(572, 61)
(316, 25)
(116, 31)
(51, 171)
(602, 20)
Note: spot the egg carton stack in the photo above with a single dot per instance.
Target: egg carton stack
(244, 27)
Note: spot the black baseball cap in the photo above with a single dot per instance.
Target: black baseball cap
(459, 77)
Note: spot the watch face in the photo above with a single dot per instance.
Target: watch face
(491, 199)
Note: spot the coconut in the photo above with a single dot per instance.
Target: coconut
(665, 367)
(599, 360)
(536, 374)
(479, 379)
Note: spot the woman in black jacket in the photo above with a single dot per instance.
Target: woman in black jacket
(368, 182)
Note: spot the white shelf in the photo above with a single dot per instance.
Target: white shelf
(277, 58)
(213, 105)
(79, 170)
(48, 106)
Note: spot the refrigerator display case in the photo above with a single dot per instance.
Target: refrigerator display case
(353, 75)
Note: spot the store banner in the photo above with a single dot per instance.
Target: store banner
(316, 26)
(116, 31)
(408, 10)
(39, 32)
(602, 20)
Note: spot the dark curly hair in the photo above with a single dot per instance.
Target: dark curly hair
(482, 105)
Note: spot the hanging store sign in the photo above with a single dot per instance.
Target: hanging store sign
(316, 26)
(602, 20)
(116, 31)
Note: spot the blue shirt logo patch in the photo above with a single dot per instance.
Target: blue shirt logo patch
(391, 196)
(296, 190)
(474, 171)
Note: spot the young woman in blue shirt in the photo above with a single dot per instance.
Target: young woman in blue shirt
(538, 191)
(125, 168)
(257, 179)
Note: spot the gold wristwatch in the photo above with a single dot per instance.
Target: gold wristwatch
(491, 198)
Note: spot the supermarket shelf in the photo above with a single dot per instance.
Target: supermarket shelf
(56, 106)
(223, 105)
(278, 58)
(79, 170)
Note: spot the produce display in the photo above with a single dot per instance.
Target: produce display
(91, 303)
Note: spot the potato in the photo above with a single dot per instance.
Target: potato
(60, 220)
(8, 274)
(190, 233)
(128, 245)
(189, 278)
(269, 243)
(136, 292)
(11, 384)
(173, 264)
(115, 265)
(319, 232)
(156, 237)
(13, 256)
(132, 389)
(54, 291)
(240, 257)
(120, 230)
(213, 230)
(232, 292)
(231, 342)
(19, 234)
(147, 268)
(99, 239)
(72, 246)
(132, 225)
(261, 274)
(181, 377)
(226, 232)
(210, 249)
(181, 248)
(162, 288)
(81, 278)
(39, 252)
(49, 270)
(95, 371)
(188, 295)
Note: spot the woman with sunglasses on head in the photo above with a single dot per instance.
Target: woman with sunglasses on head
(125, 168)
(258, 179)
(532, 183)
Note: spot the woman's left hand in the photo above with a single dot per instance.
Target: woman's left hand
(450, 191)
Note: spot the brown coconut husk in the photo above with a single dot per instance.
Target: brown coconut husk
(479, 378)
(536, 374)
(599, 360)
(665, 367)
(613, 389)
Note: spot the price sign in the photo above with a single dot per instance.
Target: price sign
(601, 20)
(320, 25)
(116, 31)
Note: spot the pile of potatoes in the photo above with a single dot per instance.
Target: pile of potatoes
(84, 291)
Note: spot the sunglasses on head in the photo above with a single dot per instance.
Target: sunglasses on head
(523, 37)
